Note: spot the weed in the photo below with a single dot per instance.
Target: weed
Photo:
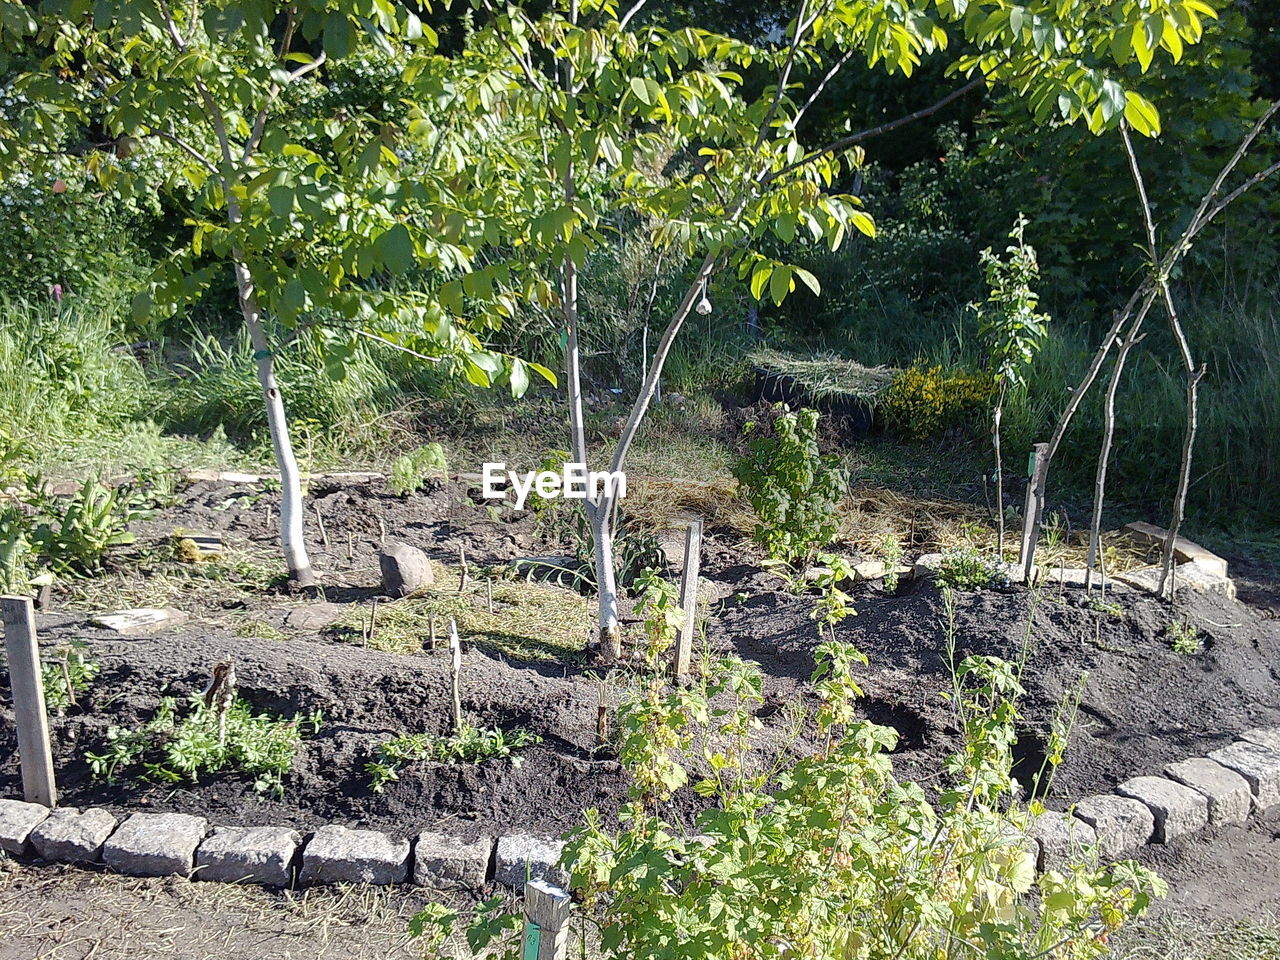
(206, 740)
(75, 534)
(66, 676)
(468, 745)
(1099, 604)
(967, 569)
(413, 471)
(890, 553)
(1184, 638)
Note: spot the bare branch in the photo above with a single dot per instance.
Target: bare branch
(188, 149)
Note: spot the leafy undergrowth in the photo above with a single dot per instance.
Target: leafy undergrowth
(467, 745)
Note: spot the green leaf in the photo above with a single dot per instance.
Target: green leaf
(641, 90)
(759, 277)
(519, 378)
(1141, 114)
(780, 283)
(395, 248)
(809, 279)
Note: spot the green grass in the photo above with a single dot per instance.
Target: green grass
(1174, 937)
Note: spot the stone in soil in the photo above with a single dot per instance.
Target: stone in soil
(405, 570)
(1187, 577)
(1178, 810)
(1063, 840)
(314, 617)
(1258, 765)
(524, 856)
(130, 623)
(337, 854)
(69, 835)
(447, 863)
(155, 844)
(1226, 791)
(17, 820)
(248, 855)
(1121, 824)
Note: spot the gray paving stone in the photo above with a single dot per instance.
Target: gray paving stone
(1258, 765)
(155, 844)
(1178, 810)
(1121, 824)
(1064, 840)
(444, 863)
(249, 855)
(525, 856)
(1268, 737)
(17, 820)
(337, 854)
(1227, 792)
(68, 835)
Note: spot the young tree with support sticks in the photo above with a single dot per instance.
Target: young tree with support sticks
(602, 96)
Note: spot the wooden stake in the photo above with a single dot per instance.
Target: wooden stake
(1033, 507)
(688, 598)
(546, 922)
(351, 545)
(382, 532)
(462, 568)
(324, 536)
(431, 626)
(373, 619)
(455, 644)
(34, 753)
(488, 589)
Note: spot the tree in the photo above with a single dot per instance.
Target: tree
(316, 207)
(1013, 330)
(601, 95)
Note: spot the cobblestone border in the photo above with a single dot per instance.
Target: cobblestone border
(1221, 789)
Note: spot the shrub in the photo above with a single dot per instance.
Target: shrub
(794, 489)
(659, 604)
(206, 740)
(411, 472)
(966, 569)
(924, 401)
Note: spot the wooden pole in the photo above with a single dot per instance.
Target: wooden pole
(455, 682)
(36, 757)
(1033, 507)
(546, 922)
(688, 597)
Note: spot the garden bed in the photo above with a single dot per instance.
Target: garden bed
(524, 666)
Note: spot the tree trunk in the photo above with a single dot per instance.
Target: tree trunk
(1188, 441)
(995, 442)
(291, 511)
(1104, 456)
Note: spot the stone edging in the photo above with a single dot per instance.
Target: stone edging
(179, 844)
(1218, 790)
(1221, 789)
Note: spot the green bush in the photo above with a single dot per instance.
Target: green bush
(412, 471)
(966, 569)
(794, 489)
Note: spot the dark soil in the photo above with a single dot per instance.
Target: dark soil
(1142, 704)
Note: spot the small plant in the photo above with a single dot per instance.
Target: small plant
(1100, 605)
(213, 736)
(834, 604)
(663, 616)
(794, 489)
(19, 572)
(469, 745)
(411, 472)
(966, 569)
(66, 676)
(1184, 638)
(924, 401)
(890, 553)
(75, 534)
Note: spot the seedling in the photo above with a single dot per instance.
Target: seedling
(1184, 638)
(67, 675)
(470, 744)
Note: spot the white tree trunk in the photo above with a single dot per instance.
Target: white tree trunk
(291, 511)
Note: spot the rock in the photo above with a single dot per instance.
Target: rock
(1268, 737)
(1070, 576)
(314, 617)
(523, 856)
(130, 623)
(336, 854)
(926, 565)
(1184, 550)
(405, 570)
(1186, 576)
(870, 569)
(155, 844)
(1258, 765)
(220, 476)
(69, 836)
(1122, 824)
(1226, 791)
(1178, 810)
(447, 863)
(1064, 840)
(17, 820)
(249, 855)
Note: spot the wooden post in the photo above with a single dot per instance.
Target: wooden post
(546, 922)
(38, 785)
(688, 597)
(324, 534)
(1036, 475)
(455, 682)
